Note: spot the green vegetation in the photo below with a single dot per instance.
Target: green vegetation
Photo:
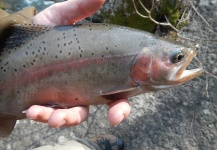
(126, 15)
(173, 10)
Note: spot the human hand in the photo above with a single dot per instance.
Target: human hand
(66, 13)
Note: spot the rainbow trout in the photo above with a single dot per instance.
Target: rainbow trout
(88, 64)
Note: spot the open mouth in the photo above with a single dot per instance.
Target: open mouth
(184, 75)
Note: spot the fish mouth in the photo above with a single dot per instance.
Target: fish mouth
(184, 75)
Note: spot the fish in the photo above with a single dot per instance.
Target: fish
(84, 64)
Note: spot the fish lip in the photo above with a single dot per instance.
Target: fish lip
(184, 75)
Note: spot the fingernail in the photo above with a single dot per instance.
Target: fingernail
(118, 123)
(115, 124)
(24, 112)
(61, 124)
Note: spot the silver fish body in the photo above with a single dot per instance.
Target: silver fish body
(86, 64)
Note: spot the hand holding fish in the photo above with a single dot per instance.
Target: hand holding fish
(66, 13)
(75, 66)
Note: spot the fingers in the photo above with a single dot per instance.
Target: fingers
(58, 117)
(68, 117)
(39, 113)
(67, 12)
(118, 111)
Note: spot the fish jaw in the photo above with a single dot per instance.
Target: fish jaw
(184, 75)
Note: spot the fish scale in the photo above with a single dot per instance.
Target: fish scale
(87, 64)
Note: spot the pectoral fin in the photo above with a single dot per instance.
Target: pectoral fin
(6, 125)
(120, 94)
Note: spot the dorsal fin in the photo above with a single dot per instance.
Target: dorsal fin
(19, 34)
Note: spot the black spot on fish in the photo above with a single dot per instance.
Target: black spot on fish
(45, 48)
(80, 56)
(32, 63)
(75, 35)
(24, 66)
(78, 42)
(43, 42)
(90, 29)
(39, 50)
(4, 70)
(15, 70)
(92, 54)
(33, 53)
(64, 33)
(34, 60)
(69, 53)
(106, 48)
(79, 47)
(102, 56)
(56, 56)
(60, 51)
(64, 44)
(43, 53)
(18, 92)
(64, 37)
(58, 39)
(58, 45)
(76, 98)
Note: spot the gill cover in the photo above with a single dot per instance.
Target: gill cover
(141, 68)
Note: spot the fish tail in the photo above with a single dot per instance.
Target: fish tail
(6, 125)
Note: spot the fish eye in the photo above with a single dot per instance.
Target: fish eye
(177, 57)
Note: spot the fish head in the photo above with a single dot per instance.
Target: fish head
(163, 65)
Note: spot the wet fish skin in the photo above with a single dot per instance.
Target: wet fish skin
(86, 64)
